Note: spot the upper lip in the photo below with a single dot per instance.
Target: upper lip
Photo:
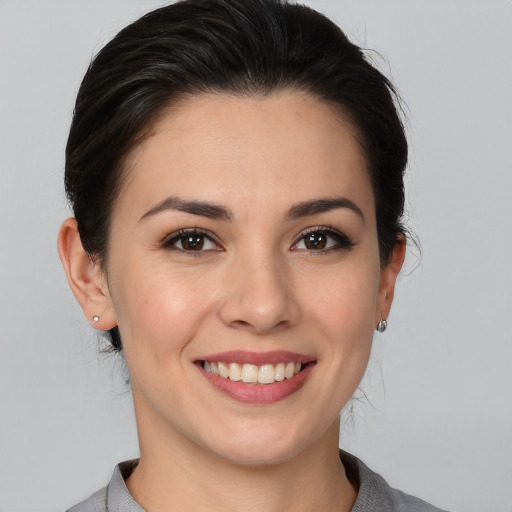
(257, 358)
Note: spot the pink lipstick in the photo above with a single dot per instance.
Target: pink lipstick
(256, 377)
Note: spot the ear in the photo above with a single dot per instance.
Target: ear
(86, 278)
(388, 276)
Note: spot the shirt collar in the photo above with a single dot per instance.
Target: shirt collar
(372, 488)
(119, 498)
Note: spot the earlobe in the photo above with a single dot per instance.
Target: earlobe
(389, 273)
(86, 278)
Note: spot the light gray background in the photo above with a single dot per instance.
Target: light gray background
(440, 379)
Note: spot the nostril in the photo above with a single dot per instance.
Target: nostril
(244, 325)
(240, 323)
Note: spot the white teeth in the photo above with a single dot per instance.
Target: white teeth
(266, 374)
(249, 373)
(252, 374)
(223, 371)
(289, 370)
(279, 372)
(235, 372)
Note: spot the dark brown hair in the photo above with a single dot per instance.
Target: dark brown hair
(242, 47)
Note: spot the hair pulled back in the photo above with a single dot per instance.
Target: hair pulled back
(242, 47)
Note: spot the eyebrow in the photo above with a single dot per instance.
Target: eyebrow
(202, 208)
(317, 206)
(215, 211)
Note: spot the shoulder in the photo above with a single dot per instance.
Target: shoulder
(115, 497)
(97, 502)
(406, 503)
(376, 494)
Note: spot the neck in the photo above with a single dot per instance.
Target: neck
(175, 474)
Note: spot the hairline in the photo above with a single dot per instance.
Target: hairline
(175, 103)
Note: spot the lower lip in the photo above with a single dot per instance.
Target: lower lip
(258, 393)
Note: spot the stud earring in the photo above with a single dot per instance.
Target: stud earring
(95, 319)
(382, 325)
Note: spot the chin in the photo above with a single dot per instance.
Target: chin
(251, 455)
(260, 446)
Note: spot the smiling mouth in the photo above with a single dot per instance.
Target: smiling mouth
(256, 378)
(254, 374)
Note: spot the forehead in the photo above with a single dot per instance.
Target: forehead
(247, 150)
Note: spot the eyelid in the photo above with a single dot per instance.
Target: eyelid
(343, 240)
(171, 238)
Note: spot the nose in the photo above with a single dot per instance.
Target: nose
(260, 295)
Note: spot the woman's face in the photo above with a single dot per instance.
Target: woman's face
(245, 234)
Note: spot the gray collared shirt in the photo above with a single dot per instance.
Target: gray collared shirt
(374, 495)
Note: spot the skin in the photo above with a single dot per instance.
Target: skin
(255, 286)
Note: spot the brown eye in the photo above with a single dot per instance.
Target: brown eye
(322, 240)
(192, 242)
(315, 241)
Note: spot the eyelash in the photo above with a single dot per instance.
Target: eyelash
(341, 240)
(174, 238)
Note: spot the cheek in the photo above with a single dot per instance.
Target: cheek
(346, 298)
(157, 311)
(343, 311)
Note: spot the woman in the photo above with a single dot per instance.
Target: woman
(236, 174)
